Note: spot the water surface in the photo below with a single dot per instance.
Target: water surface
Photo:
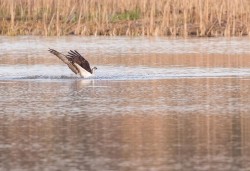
(153, 104)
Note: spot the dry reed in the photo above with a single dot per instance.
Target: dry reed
(125, 17)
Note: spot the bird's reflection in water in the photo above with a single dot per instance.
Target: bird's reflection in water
(80, 85)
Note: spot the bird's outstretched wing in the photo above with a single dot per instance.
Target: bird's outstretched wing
(75, 57)
(65, 59)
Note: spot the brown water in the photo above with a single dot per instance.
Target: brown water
(153, 104)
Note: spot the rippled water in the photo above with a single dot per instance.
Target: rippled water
(153, 104)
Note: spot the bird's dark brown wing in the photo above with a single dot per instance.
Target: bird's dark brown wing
(65, 60)
(75, 57)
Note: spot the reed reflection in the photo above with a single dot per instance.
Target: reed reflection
(160, 124)
(171, 141)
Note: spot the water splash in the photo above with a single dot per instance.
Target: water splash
(61, 72)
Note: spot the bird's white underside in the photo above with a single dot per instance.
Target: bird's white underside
(82, 72)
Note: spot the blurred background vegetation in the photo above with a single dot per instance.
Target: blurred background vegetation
(125, 17)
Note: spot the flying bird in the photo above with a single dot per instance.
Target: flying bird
(76, 62)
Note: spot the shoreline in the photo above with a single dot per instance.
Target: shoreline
(134, 28)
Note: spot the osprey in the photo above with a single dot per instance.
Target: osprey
(76, 62)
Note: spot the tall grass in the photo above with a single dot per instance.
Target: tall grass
(125, 17)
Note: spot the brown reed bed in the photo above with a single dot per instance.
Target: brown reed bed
(125, 17)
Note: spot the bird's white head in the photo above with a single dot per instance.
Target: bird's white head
(93, 69)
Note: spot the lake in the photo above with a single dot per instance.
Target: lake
(153, 104)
